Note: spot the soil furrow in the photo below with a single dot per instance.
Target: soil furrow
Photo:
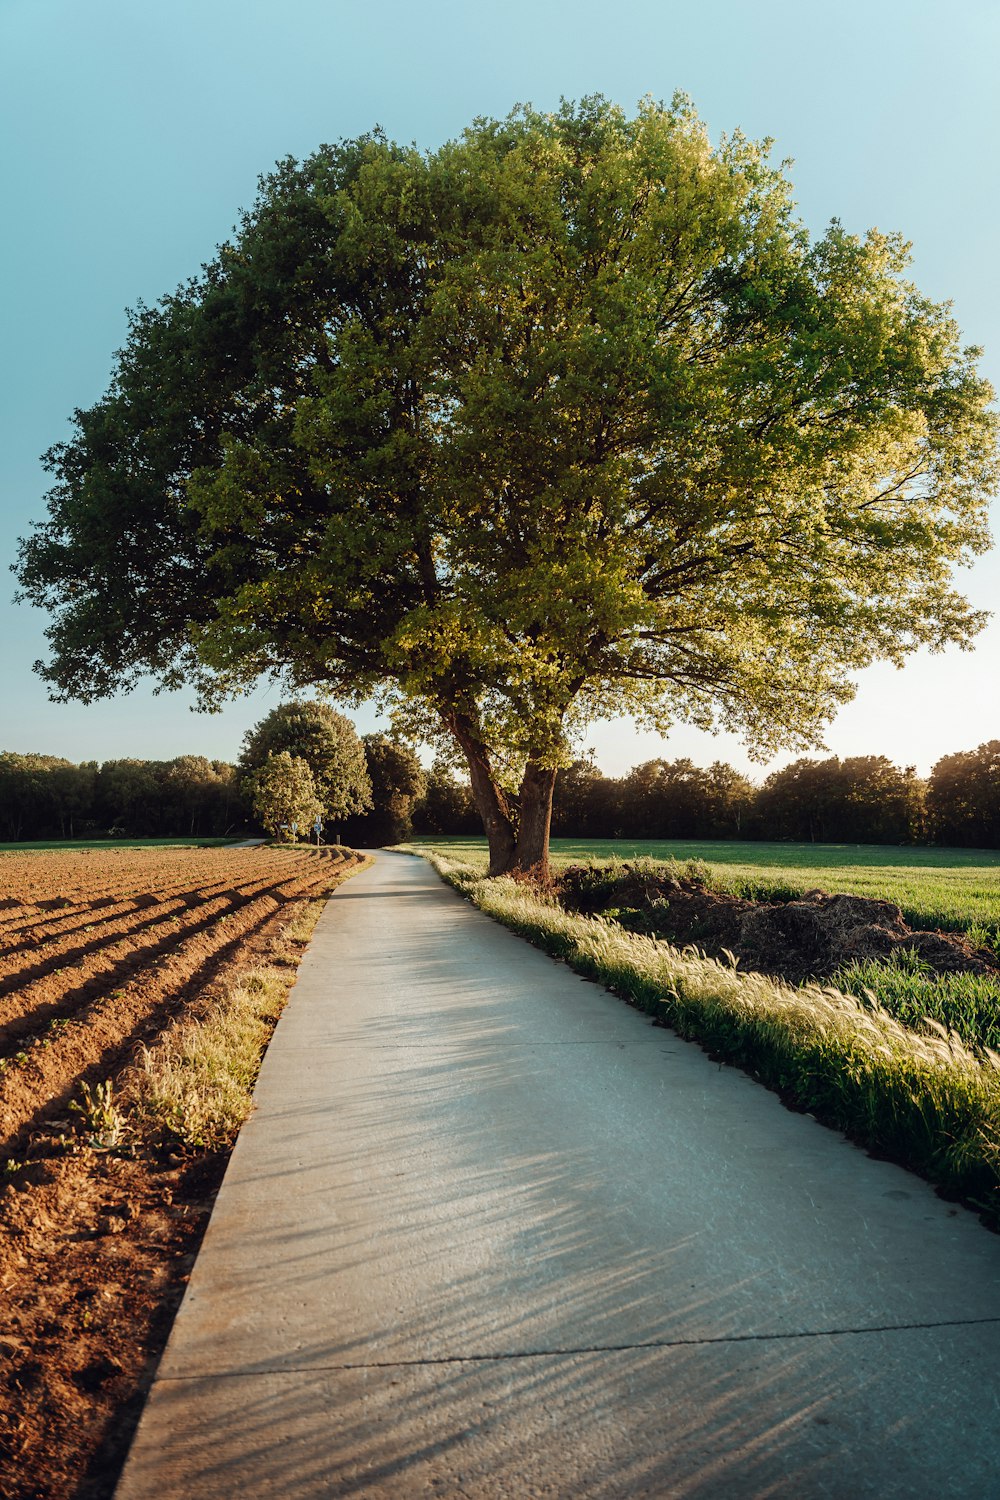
(99, 1045)
(105, 964)
(46, 1000)
(112, 1024)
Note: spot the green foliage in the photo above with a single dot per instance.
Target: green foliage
(968, 1004)
(963, 797)
(99, 1114)
(664, 799)
(283, 794)
(398, 783)
(326, 741)
(862, 797)
(447, 805)
(43, 793)
(43, 797)
(565, 418)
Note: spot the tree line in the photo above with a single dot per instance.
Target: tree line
(384, 794)
(860, 799)
(46, 797)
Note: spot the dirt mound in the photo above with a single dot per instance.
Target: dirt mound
(808, 937)
(819, 933)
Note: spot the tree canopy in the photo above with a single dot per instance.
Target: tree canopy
(326, 742)
(398, 783)
(568, 417)
(283, 795)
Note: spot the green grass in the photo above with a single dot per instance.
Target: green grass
(925, 1101)
(46, 845)
(910, 990)
(957, 890)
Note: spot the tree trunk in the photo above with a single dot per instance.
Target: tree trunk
(490, 799)
(531, 854)
(518, 838)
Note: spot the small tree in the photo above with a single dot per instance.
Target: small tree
(398, 781)
(283, 792)
(327, 742)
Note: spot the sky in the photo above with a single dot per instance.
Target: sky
(132, 135)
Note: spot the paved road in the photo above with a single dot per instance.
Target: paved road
(490, 1234)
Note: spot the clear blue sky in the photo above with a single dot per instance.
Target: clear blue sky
(133, 133)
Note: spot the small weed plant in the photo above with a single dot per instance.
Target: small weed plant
(100, 1115)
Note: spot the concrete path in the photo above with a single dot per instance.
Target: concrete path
(490, 1234)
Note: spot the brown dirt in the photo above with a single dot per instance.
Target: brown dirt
(807, 938)
(99, 952)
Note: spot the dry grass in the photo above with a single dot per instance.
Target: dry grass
(195, 1085)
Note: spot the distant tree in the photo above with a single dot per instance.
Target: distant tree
(398, 782)
(128, 796)
(282, 793)
(197, 795)
(864, 799)
(74, 792)
(447, 805)
(663, 799)
(585, 802)
(29, 794)
(330, 747)
(880, 802)
(729, 800)
(963, 798)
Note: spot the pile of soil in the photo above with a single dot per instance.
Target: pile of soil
(806, 938)
(99, 953)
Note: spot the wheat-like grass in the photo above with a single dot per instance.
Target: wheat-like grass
(195, 1085)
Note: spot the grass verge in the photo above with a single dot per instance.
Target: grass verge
(909, 989)
(925, 1101)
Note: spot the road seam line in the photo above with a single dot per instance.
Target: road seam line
(466, 1359)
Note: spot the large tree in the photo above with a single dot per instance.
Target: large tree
(567, 417)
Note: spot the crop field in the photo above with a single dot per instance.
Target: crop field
(956, 890)
(98, 951)
(116, 967)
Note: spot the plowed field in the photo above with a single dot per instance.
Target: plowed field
(100, 952)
